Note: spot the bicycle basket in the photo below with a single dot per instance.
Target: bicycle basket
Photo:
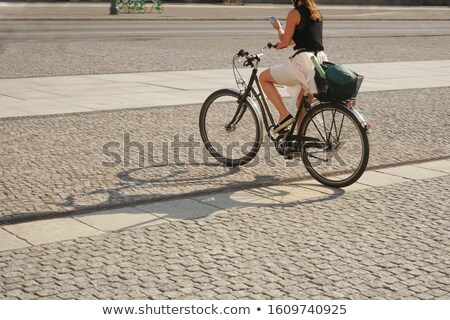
(340, 82)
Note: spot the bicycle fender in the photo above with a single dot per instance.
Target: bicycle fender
(359, 117)
(255, 108)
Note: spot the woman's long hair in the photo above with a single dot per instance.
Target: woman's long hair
(312, 7)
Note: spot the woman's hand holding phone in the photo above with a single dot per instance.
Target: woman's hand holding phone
(275, 23)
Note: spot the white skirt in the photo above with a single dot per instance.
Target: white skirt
(298, 73)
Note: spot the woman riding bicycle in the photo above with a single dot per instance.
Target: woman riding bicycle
(304, 31)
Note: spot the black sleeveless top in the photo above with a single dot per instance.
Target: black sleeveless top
(308, 34)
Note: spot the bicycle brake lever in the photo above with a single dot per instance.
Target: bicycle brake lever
(248, 63)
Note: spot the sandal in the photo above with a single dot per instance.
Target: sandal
(287, 121)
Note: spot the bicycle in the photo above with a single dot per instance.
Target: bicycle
(132, 6)
(331, 138)
(157, 5)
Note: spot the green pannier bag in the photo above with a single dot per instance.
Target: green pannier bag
(341, 82)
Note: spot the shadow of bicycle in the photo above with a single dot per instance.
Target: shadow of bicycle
(197, 208)
(205, 189)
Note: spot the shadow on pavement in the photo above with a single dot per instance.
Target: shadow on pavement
(235, 194)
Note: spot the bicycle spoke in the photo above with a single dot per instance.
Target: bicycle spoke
(230, 132)
(338, 135)
(342, 148)
(348, 133)
(333, 114)
(317, 128)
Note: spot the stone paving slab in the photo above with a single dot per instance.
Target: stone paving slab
(235, 200)
(356, 187)
(35, 107)
(119, 219)
(379, 179)
(53, 230)
(317, 186)
(413, 172)
(178, 209)
(443, 166)
(287, 193)
(290, 194)
(8, 241)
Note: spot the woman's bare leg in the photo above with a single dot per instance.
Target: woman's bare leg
(268, 86)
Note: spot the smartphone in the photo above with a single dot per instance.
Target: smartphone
(273, 19)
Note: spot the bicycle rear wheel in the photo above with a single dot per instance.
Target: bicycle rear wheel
(231, 133)
(339, 153)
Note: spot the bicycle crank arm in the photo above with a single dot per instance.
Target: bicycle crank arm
(307, 139)
(318, 158)
(315, 145)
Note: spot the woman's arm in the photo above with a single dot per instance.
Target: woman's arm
(285, 36)
(277, 26)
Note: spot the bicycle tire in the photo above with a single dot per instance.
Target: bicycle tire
(244, 137)
(340, 156)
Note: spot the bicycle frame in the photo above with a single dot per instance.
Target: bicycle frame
(262, 105)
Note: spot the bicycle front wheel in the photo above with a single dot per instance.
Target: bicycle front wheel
(336, 151)
(231, 133)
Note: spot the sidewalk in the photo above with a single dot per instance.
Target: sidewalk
(87, 93)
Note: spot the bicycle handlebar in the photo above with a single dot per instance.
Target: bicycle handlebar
(242, 53)
(253, 57)
(249, 58)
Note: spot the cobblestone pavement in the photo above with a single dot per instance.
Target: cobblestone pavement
(60, 163)
(51, 58)
(64, 57)
(380, 243)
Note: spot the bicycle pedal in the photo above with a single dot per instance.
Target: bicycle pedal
(292, 155)
(282, 132)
